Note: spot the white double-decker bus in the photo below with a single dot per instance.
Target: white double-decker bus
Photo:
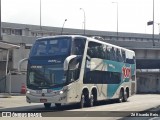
(76, 69)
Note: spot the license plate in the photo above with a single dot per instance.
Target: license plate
(43, 100)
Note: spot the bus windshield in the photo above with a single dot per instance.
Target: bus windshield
(51, 46)
(46, 61)
(45, 76)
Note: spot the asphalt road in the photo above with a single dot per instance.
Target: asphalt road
(149, 103)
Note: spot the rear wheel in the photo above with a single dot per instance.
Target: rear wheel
(125, 96)
(47, 105)
(58, 104)
(82, 101)
(121, 96)
(91, 101)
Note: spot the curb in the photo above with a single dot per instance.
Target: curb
(9, 95)
(5, 95)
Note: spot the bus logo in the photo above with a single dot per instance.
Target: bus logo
(126, 71)
(54, 61)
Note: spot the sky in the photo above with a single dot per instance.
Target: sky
(101, 15)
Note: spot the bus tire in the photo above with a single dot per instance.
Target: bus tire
(47, 105)
(82, 101)
(125, 96)
(91, 101)
(58, 105)
(121, 96)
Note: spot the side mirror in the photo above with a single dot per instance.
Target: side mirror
(20, 62)
(67, 61)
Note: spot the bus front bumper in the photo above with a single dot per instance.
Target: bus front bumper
(46, 98)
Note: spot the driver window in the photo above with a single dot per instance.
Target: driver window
(78, 46)
(41, 48)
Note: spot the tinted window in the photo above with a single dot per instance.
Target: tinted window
(78, 46)
(51, 46)
(123, 56)
(119, 56)
(95, 50)
(45, 75)
(102, 77)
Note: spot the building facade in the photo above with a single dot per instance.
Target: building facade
(25, 35)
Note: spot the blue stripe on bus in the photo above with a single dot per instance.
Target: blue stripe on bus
(111, 89)
(59, 88)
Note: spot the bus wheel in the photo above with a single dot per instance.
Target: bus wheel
(91, 101)
(82, 101)
(47, 105)
(125, 96)
(120, 99)
(58, 105)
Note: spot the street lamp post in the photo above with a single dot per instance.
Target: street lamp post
(0, 23)
(63, 26)
(153, 25)
(84, 22)
(117, 17)
(159, 29)
(40, 16)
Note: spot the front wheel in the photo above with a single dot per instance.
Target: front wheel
(47, 105)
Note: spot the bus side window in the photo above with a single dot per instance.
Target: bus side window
(95, 49)
(123, 56)
(107, 54)
(95, 52)
(101, 52)
(41, 49)
(118, 55)
(78, 46)
(112, 54)
(90, 52)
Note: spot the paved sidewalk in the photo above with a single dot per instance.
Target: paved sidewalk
(15, 101)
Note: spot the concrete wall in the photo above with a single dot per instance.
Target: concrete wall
(148, 83)
(19, 39)
(14, 86)
(19, 54)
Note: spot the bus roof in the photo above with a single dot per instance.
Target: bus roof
(88, 38)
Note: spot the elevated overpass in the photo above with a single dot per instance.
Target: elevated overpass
(147, 55)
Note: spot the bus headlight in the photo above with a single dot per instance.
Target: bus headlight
(31, 91)
(28, 92)
(61, 92)
(65, 89)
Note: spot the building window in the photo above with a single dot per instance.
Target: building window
(18, 32)
(33, 34)
(6, 31)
